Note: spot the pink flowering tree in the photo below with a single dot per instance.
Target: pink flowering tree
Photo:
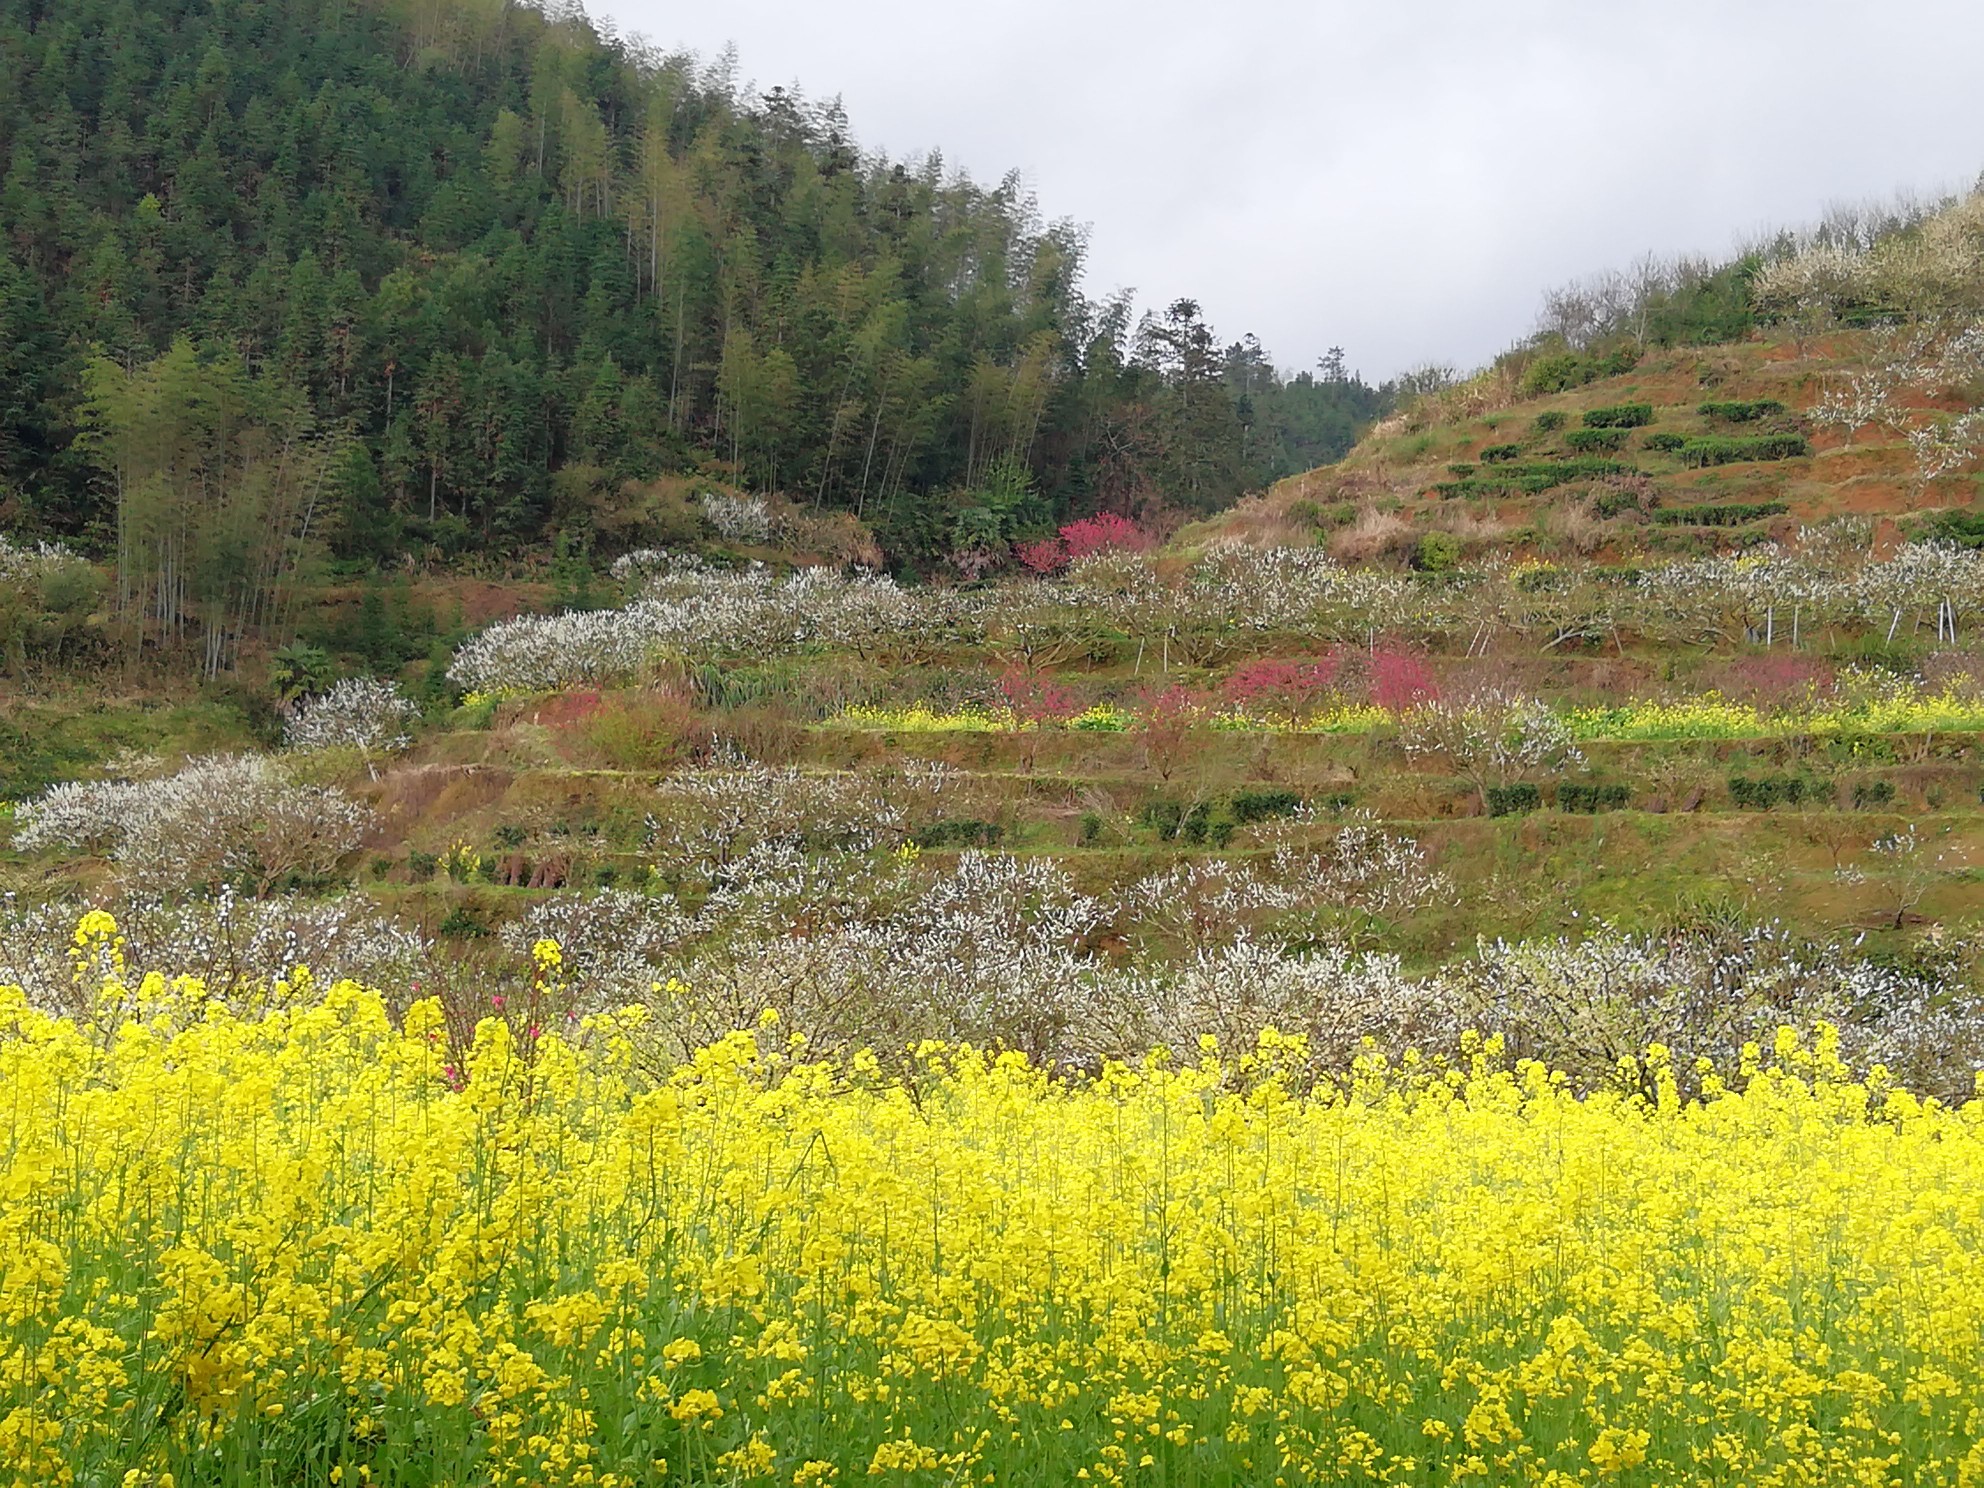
(1281, 688)
(1105, 532)
(1036, 701)
(1168, 721)
(1400, 682)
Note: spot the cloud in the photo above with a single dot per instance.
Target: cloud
(1403, 179)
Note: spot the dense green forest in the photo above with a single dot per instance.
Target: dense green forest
(443, 277)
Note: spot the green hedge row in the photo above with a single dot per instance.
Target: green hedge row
(1591, 799)
(1765, 791)
(1513, 800)
(1726, 451)
(1733, 514)
(1496, 454)
(1532, 478)
(1742, 413)
(1595, 441)
(1619, 416)
(1664, 439)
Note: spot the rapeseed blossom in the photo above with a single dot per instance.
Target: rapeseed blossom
(289, 1247)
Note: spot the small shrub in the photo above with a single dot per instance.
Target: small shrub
(421, 866)
(960, 832)
(463, 923)
(1619, 416)
(1718, 450)
(1588, 800)
(654, 732)
(1091, 829)
(1438, 552)
(1513, 800)
(1497, 454)
(1741, 413)
(1731, 514)
(1872, 793)
(1761, 793)
(1595, 441)
(1164, 817)
(1461, 469)
(1960, 529)
(1550, 420)
(1105, 532)
(1264, 804)
(1565, 370)
(1663, 439)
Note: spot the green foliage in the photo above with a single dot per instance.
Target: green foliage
(1264, 803)
(464, 922)
(1741, 413)
(1495, 454)
(1663, 439)
(1550, 420)
(1963, 529)
(300, 670)
(1163, 816)
(1196, 826)
(1762, 792)
(1437, 552)
(1559, 372)
(1872, 794)
(1588, 799)
(1595, 441)
(1717, 450)
(960, 832)
(469, 276)
(1533, 478)
(1619, 416)
(1514, 800)
(1730, 514)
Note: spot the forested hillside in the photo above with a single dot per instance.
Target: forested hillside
(442, 277)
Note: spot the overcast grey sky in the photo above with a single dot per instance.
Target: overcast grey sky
(1401, 177)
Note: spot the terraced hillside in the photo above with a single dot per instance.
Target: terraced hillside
(1155, 796)
(1669, 452)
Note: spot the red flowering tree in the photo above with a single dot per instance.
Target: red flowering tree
(1043, 557)
(1105, 532)
(1400, 682)
(1280, 688)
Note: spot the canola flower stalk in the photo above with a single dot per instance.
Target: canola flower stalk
(1710, 716)
(297, 1248)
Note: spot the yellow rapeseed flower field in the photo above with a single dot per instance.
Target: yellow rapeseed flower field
(314, 1246)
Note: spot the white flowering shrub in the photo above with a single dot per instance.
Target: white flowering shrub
(364, 713)
(615, 943)
(223, 820)
(21, 564)
(1492, 737)
(688, 609)
(1233, 991)
(237, 950)
(737, 518)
